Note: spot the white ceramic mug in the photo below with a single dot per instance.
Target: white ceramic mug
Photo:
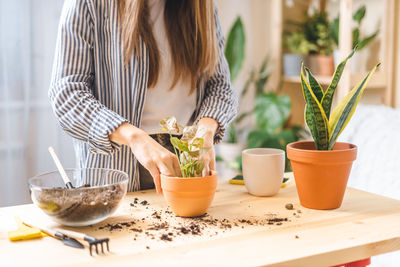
(263, 170)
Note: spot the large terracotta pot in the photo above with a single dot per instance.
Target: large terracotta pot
(321, 176)
(189, 197)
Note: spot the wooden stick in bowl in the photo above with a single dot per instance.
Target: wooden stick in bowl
(60, 168)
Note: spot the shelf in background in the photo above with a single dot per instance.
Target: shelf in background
(377, 81)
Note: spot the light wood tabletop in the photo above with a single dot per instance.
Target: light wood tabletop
(239, 230)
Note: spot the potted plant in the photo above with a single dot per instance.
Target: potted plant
(358, 17)
(321, 168)
(298, 47)
(317, 30)
(189, 195)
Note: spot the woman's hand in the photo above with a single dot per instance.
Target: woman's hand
(154, 157)
(209, 158)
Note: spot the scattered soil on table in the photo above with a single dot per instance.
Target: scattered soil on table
(163, 225)
(75, 205)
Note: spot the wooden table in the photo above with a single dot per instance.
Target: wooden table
(365, 225)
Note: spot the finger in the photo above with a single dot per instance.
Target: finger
(206, 170)
(155, 173)
(212, 161)
(177, 168)
(167, 168)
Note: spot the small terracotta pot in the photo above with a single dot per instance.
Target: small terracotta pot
(321, 176)
(326, 65)
(189, 197)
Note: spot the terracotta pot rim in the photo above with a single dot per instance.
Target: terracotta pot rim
(291, 146)
(213, 174)
(322, 157)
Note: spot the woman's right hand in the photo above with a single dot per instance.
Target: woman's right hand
(154, 157)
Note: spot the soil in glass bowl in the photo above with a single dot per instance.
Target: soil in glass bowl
(82, 205)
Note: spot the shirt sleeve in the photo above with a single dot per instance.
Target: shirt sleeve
(77, 110)
(220, 100)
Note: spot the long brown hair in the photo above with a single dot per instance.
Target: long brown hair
(191, 35)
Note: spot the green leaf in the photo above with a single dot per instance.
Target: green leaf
(285, 137)
(232, 136)
(243, 116)
(356, 37)
(271, 111)
(256, 138)
(359, 14)
(342, 114)
(235, 48)
(262, 81)
(328, 96)
(189, 132)
(184, 158)
(315, 86)
(198, 167)
(335, 30)
(263, 76)
(218, 159)
(249, 81)
(197, 142)
(179, 144)
(170, 124)
(367, 40)
(315, 116)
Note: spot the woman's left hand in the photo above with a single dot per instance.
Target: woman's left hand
(209, 158)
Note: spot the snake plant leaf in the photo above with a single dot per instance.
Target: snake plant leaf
(328, 96)
(235, 48)
(342, 114)
(315, 116)
(315, 86)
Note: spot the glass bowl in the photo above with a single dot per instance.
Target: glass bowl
(96, 196)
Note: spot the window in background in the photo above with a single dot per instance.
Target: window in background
(28, 31)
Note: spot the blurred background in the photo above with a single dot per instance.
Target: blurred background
(266, 42)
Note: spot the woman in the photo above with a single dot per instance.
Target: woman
(122, 66)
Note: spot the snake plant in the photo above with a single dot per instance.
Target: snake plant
(325, 126)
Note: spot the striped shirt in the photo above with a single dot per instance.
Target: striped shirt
(92, 91)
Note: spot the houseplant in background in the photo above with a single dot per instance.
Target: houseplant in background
(361, 43)
(298, 47)
(321, 168)
(189, 195)
(231, 146)
(271, 114)
(317, 30)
